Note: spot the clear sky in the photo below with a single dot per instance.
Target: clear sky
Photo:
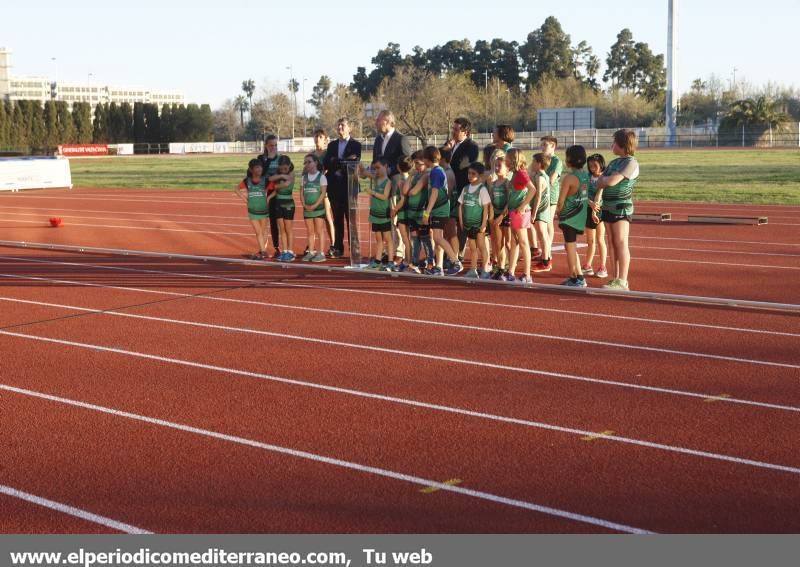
(207, 48)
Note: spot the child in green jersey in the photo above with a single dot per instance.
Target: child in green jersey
(473, 215)
(257, 206)
(520, 196)
(437, 212)
(379, 217)
(615, 193)
(542, 220)
(320, 148)
(498, 184)
(400, 211)
(313, 186)
(595, 227)
(451, 227)
(554, 170)
(503, 136)
(284, 187)
(415, 193)
(573, 205)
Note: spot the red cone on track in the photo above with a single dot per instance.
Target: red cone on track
(55, 222)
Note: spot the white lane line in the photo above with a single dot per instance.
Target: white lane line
(470, 328)
(490, 304)
(71, 510)
(149, 214)
(693, 239)
(157, 229)
(436, 358)
(242, 224)
(187, 201)
(366, 469)
(415, 403)
(721, 252)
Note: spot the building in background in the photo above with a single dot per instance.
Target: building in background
(14, 87)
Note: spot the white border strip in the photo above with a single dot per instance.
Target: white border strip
(375, 471)
(736, 303)
(70, 510)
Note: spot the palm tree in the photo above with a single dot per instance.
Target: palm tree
(240, 103)
(249, 87)
(760, 111)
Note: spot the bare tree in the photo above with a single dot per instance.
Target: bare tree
(343, 102)
(227, 125)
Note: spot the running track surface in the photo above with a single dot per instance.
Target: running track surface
(146, 394)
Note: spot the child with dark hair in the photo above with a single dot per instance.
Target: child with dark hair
(498, 184)
(400, 210)
(437, 212)
(379, 217)
(415, 193)
(503, 137)
(283, 183)
(257, 205)
(554, 171)
(314, 187)
(473, 216)
(595, 227)
(542, 222)
(572, 210)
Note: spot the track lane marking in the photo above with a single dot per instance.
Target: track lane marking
(425, 356)
(404, 296)
(71, 511)
(341, 463)
(410, 402)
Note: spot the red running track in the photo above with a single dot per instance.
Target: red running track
(178, 396)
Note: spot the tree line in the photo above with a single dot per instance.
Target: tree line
(27, 126)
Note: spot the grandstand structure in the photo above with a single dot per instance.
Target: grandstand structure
(42, 89)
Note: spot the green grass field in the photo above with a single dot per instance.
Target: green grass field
(724, 176)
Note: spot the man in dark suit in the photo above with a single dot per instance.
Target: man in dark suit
(465, 151)
(390, 144)
(343, 148)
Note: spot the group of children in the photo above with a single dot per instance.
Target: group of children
(504, 216)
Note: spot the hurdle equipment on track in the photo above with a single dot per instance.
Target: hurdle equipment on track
(727, 220)
(655, 217)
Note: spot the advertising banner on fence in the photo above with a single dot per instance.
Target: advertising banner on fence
(124, 149)
(176, 148)
(199, 148)
(34, 173)
(78, 150)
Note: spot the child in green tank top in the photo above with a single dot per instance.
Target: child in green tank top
(255, 185)
(416, 197)
(542, 218)
(498, 180)
(473, 216)
(284, 187)
(595, 227)
(573, 205)
(313, 187)
(380, 219)
(400, 211)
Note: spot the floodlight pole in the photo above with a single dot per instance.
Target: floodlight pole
(672, 74)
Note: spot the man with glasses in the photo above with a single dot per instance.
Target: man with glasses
(344, 148)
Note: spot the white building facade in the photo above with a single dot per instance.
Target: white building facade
(14, 87)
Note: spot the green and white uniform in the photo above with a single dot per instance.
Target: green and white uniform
(618, 200)
(285, 197)
(542, 214)
(416, 203)
(312, 189)
(516, 198)
(575, 209)
(499, 194)
(256, 198)
(379, 208)
(441, 208)
(556, 166)
(472, 199)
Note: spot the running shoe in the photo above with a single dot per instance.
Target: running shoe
(472, 274)
(332, 252)
(434, 271)
(307, 257)
(287, 256)
(393, 268)
(305, 252)
(257, 256)
(373, 265)
(525, 280)
(574, 282)
(318, 258)
(507, 276)
(602, 272)
(276, 257)
(587, 270)
(402, 266)
(617, 284)
(542, 267)
(582, 282)
(385, 259)
(486, 275)
(455, 268)
(414, 269)
(446, 264)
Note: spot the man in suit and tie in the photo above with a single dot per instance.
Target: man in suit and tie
(392, 146)
(343, 148)
(464, 152)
